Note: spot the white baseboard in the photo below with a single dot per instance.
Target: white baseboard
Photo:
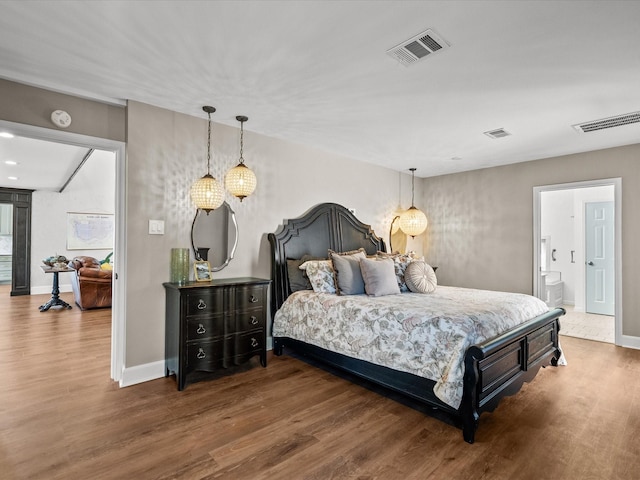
(142, 373)
(630, 342)
(152, 371)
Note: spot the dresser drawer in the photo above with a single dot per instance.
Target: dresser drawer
(205, 327)
(249, 297)
(205, 355)
(205, 302)
(251, 342)
(249, 320)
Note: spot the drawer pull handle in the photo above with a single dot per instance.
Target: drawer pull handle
(253, 299)
(201, 329)
(201, 353)
(201, 304)
(254, 320)
(254, 342)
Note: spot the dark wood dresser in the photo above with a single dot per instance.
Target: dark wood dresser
(214, 325)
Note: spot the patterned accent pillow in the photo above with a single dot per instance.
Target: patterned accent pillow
(420, 277)
(320, 274)
(400, 261)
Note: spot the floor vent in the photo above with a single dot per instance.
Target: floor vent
(418, 47)
(618, 121)
(497, 133)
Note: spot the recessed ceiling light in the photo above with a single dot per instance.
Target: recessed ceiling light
(12, 178)
(10, 162)
(6, 135)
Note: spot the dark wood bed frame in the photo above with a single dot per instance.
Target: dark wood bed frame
(493, 369)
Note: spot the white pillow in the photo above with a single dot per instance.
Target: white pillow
(321, 275)
(420, 277)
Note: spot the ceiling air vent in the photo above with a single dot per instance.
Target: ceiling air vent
(610, 122)
(418, 47)
(497, 133)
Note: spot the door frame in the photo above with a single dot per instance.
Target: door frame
(617, 205)
(118, 310)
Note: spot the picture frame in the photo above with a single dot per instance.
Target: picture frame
(202, 270)
(90, 231)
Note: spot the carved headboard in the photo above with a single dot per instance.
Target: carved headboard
(326, 226)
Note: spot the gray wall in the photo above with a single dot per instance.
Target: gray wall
(166, 153)
(33, 106)
(481, 222)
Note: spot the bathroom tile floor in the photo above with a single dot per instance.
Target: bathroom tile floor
(587, 325)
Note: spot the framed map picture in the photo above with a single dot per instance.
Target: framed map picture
(90, 231)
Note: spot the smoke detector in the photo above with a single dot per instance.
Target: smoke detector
(610, 122)
(418, 47)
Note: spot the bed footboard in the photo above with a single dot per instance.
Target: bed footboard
(500, 366)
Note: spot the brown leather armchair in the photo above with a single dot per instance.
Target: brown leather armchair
(91, 285)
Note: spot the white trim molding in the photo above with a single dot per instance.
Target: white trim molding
(620, 339)
(142, 373)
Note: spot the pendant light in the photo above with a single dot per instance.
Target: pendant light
(240, 180)
(207, 193)
(413, 221)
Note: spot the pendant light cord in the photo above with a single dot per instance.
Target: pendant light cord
(241, 141)
(209, 146)
(412, 185)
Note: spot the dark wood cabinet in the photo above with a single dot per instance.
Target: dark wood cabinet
(214, 325)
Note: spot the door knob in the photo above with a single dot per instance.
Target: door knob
(591, 264)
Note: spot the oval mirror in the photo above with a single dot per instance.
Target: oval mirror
(397, 238)
(214, 236)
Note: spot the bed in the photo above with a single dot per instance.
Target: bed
(510, 352)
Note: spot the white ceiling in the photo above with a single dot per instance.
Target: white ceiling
(316, 72)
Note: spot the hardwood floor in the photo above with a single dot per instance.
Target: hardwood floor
(63, 418)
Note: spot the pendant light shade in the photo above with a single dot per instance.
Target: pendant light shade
(413, 221)
(207, 193)
(240, 180)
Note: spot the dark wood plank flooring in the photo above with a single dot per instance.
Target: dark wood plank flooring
(63, 418)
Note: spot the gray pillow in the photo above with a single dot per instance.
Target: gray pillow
(420, 277)
(379, 277)
(347, 272)
(297, 278)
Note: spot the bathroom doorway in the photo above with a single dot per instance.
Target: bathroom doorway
(568, 269)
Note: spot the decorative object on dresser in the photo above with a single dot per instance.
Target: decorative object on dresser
(207, 193)
(240, 181)
(179, 271)
(202, 271)
(215, 325)
(494, 356)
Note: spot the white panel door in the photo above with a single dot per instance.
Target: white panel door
(599, 252)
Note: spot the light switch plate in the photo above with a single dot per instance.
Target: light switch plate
(156, 227)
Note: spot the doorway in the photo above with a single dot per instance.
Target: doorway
(566, 242)
(119, 284)
(6, 242)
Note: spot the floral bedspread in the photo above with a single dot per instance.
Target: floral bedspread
(423, 334)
